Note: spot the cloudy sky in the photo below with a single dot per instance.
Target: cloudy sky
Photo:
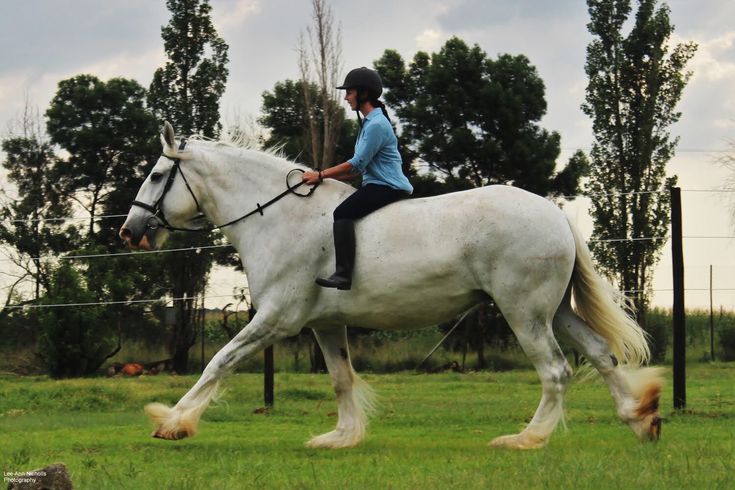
(45, 41)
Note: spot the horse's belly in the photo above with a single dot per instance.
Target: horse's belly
(391, 313)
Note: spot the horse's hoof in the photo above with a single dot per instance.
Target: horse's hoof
(337, 439)
(519, 441)
(173, 436)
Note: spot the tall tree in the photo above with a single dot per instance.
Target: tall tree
(476, 119)
(635, 83)
(110, 136)
(33, 212)
(187, 89)
(320, 64)
(186, 92)
(111, 139)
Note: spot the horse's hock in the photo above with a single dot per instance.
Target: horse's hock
(52, 477)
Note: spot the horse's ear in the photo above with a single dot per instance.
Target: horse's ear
(169, 137)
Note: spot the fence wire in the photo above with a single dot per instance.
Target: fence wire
(207, 247)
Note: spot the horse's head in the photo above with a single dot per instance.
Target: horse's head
(164, 201)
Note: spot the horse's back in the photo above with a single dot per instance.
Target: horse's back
(493, 218)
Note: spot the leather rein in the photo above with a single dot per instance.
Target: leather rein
(159, 218)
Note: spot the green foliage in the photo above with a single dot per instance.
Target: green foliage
(187, 89)
(73, 341)
(659, 331)
(727, 341)
(475, 118)
(34, 170)
(284, 113)
(635, 83)
(111, 138)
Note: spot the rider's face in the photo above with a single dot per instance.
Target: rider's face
(351, 98)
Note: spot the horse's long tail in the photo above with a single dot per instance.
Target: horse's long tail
(606, 310)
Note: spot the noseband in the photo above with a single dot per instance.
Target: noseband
(159, 218)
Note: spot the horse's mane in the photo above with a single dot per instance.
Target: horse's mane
(243, 143)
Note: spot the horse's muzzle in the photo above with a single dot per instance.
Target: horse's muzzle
(135, 240)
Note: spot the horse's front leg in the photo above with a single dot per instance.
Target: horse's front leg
(182, 420)
(354, 396)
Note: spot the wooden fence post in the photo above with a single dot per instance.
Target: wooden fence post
(677, 253)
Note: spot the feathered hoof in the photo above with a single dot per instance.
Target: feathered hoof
(169, 423)
(336, 439)
(524, 440)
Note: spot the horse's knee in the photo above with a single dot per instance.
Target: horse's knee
(556, 380)
(342, 383)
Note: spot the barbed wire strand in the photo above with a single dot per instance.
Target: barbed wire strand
(105, 303)
(119, 254)
(226, 245)
(70, 218)
(169, 300)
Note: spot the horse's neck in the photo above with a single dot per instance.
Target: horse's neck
(233, 184)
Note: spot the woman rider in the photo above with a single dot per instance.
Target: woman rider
(376, 158)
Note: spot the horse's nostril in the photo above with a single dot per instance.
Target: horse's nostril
(126, 233)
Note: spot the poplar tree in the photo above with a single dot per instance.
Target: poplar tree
(186, 92)
(635, 83)
(187, 89)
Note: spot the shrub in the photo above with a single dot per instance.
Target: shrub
(658, 331)
(73, 341)
(727, 342)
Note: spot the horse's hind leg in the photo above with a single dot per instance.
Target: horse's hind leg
(534, 334)
(635, 391)
(354, 396)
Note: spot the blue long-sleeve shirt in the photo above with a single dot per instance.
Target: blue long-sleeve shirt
(376, 154)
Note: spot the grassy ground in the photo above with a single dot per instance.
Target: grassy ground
(430, 432)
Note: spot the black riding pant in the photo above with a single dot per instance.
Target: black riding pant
(367, 199)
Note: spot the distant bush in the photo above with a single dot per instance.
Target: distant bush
(658, 330)
(727, 342)
(72, 341)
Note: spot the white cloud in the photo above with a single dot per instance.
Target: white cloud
(11, 86)
(227, 18)
(710, 62)
(430, 39)
(139, 66)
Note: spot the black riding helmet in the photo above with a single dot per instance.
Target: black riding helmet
(364, 78)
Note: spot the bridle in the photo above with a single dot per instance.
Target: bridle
(158, 219)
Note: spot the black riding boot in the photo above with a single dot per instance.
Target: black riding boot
(344, 249)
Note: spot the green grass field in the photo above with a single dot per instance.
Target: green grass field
(431, 431)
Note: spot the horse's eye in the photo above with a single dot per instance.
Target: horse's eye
(155, 176)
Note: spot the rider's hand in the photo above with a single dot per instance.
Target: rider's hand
(311, 178)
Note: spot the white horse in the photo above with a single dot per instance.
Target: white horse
(418, 262)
